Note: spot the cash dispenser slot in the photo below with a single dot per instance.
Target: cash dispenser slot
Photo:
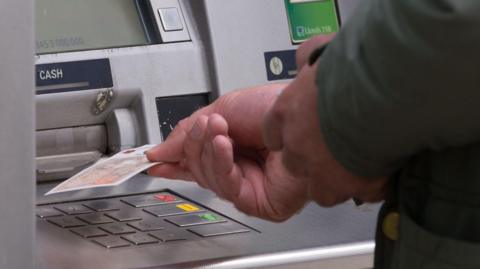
(64, 152)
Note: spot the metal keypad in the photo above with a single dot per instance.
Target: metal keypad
(140, 239)
(102, 205)
(67, 222)
(47, 212)
(171, 235)
(148, 225)
(89, 231)
(125, 215)
(138, 220)
(173, 209)
(95, 218)
(111, 242)
(218, 229)
(73, 209)
(151, 200)
(195, 219)
(118, 228)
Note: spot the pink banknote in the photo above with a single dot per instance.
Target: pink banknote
(108, 172)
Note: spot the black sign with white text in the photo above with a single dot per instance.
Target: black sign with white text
(73, 76)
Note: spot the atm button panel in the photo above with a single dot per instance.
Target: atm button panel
(218, 229)
(151, 200)
(173, 209)
(134, 220)
(196, 219)
(111, 242)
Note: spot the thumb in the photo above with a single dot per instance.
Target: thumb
(170, 151)
(307, 48)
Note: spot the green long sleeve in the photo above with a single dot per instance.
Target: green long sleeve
(401, 77)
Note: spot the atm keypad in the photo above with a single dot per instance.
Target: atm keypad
(218, 229)
(102, 205)
(148, 225)
(151, 200)
(47, 212)
(171, 235)
(89, 231)
(196, 219)
(95, 218)
(173, 209)
(111, 242)
(135, 220)
(67, 222)
(124, 215)
(140, 239)
(117, 228)
(73, 209)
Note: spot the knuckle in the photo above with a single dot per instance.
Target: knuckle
(182, 124)
(182, 127)
(224, 102)
(278, 111)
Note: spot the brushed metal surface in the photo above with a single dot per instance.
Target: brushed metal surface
(17, 148)
(217, 60)
(314, 234)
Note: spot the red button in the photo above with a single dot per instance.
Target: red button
(165, 197)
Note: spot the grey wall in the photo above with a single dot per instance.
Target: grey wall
(16, 134)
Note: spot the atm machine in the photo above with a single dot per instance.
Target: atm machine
(115, 74)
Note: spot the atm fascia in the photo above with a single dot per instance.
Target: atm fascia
(220, 48)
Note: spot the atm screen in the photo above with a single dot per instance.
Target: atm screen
(72, 25)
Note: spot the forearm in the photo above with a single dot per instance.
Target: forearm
(400, 78)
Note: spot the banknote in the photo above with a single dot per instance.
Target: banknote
(108, 172)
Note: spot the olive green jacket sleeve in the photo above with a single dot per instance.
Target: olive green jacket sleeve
(402, 77)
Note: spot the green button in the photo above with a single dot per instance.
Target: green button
(210, 217)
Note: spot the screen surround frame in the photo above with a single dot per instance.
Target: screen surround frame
(146, 20)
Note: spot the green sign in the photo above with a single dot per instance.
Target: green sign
(308, 18)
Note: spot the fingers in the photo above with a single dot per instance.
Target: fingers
(227, 174)
(373, 190)
(272, 127)
(217, 126)
(306, 49)
(193, 148)
(171, 150)
(214, 166)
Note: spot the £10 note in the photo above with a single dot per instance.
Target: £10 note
(108, 172)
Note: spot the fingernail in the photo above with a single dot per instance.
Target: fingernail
(280, 91)
(316, 54)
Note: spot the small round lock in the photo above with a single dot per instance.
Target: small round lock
(390, 225)
(103, 100)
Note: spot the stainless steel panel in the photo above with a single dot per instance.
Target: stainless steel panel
(17, 149)
(226, 52)
(315, 233)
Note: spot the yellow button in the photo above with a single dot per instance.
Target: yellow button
(188, 207)
(390, 225)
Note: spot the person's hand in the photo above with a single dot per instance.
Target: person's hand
(221, 148)
(306, 49)
(292, 127)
